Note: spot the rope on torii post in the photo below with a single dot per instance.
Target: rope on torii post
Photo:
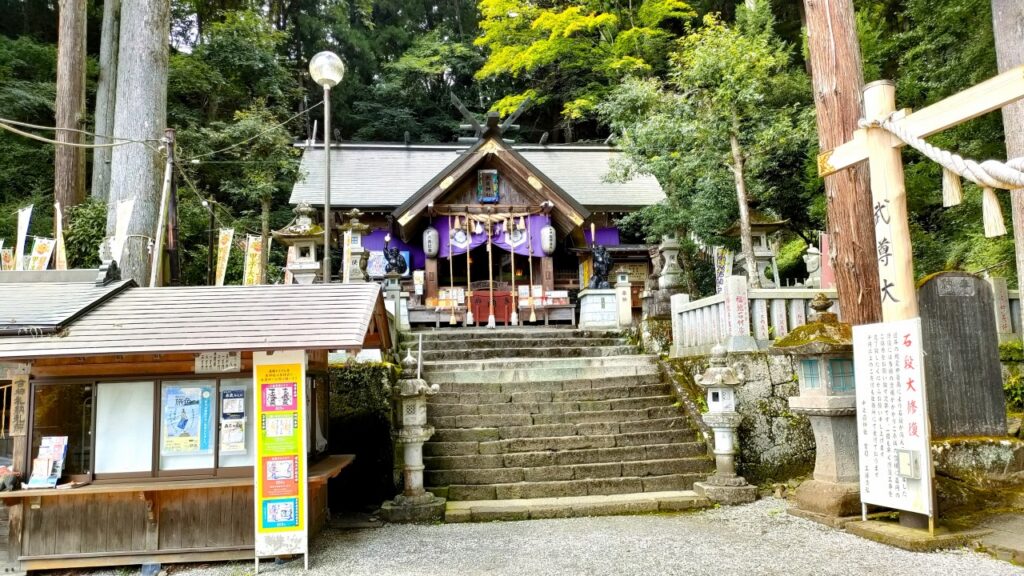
(989, 174)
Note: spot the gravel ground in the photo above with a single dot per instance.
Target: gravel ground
(753, 540)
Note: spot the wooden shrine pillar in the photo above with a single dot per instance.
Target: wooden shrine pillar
(547, 273)
(430, 290)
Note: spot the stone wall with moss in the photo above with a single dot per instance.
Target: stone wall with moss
(775, 444)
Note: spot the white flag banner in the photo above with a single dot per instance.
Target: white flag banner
(42, 249)
(24, 216)
(224, 239)
(59, 251)
(123, 218)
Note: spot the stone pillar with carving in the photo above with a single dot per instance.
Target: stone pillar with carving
(414, 504)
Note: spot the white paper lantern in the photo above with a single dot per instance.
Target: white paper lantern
(431, 242)
(547, 240)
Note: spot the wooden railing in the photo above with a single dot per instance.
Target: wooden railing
(746, 320)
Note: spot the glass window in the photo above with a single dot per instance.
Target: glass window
(187, 424)
(812, 377)
(124, 427)
(236, 425)
(842, 375)
(64, 410)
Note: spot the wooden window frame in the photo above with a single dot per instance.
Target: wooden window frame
(154, 473)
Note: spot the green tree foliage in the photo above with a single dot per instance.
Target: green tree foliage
(725, 82)
(567, 56)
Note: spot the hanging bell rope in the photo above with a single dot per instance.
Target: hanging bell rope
(451, 273)
(989, 175)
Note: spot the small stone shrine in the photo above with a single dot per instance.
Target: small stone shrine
(961, 356)
(822, 351)
(720, 380)
(414, 504)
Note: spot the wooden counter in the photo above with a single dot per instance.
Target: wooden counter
(123, 523)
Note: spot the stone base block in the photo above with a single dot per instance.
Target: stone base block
(419, 510)
(837, 522)
(728, 495)
(834, 499)
(913, 539)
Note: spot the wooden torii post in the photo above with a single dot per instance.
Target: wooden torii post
(888, 191)
(889, 199)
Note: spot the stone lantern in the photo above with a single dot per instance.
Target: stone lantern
(624, 296)
(304, 236)
(721, 381)
(358, 255)
(761, 227)
(823, 353)
(414, 504)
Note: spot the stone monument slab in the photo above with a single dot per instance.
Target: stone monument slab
(961, 356)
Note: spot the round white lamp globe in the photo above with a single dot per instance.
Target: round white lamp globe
(327, 69)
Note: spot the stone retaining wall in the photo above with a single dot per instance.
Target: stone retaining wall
(775, 444)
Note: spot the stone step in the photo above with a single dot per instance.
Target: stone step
(548, 407)
(532, 420)
(573, 506)
(503, 475)
(602, 380)
(488, 441)
(486, 342)
(538, 363)
(580, 395)
(537, 372)
(511, 333)
(486, 434)
(562, 488)
(570, 350)
(693, 449)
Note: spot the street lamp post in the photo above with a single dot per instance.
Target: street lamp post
(327, 70)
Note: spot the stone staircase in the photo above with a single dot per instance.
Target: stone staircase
(544, 422)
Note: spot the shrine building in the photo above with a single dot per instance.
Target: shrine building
(443, 205)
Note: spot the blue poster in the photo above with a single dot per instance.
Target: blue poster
(187, 412)
(280, 513)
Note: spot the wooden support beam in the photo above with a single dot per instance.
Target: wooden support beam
(973, 102)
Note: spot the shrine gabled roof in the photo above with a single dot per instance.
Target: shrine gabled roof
(216, 319)
(367, 175)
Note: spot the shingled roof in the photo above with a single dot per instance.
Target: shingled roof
(386, 175)
(212, 319)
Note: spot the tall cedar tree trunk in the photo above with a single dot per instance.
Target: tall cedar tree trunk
(141, 112)
(746, 244)
(1008, 25)
(265, 232)
(838, 80)
(69, 107)
(105, 92)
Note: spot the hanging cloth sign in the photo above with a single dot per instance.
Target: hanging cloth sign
(42, 249)
(223, 252)
(7, 259)
(59, 251)
(251, 274)
(24, 216)
(123, 218)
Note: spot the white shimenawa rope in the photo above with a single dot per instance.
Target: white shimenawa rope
(990, 173)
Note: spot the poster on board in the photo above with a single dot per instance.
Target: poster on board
(186, 427)
(280, 470)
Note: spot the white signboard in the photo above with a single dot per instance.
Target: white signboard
(218, 362)
(892, 417)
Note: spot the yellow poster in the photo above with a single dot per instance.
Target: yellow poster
(280, 467)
